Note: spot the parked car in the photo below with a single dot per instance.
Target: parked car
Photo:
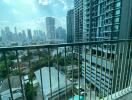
(83, 93)
(81, 90)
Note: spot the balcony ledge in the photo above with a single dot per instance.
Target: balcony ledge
(125, 94)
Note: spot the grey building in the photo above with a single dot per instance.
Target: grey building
(50, 27)
(39, 36)
(29, 33)
(78, 13)
(60, 33)
(56, 91)
(7, 36)
(70, 26)
(126, 20)
(104, 20)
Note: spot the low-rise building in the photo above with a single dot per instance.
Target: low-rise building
(72, 69)
(56, 91)
(15, 87)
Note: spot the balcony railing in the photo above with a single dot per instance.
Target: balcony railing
(98, 70)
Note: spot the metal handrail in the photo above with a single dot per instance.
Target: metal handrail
(101, 71)
(29, 47)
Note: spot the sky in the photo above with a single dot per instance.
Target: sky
(32, 13)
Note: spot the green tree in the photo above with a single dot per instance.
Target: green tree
(60, 59)
(3, 70)
(44, 61)
(29, 91)
(9, 57)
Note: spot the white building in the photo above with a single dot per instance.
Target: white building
(54, 83)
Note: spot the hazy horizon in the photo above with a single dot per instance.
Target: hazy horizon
(31, 13)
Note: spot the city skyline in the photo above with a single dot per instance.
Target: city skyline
(32, 13)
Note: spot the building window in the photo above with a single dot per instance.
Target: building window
(116, 27)
(116, 20)
(117, 12)
(118, 4)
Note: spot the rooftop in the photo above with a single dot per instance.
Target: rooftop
(54, 80)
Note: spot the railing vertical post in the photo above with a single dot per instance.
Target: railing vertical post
(20, 76)
(41, 77)
(96, 69)
(110, 83)
(65, 74)
(50, 73)
(72, 74)
(58, 69)
(101, 70)
(113, 68)
(122, 61)
(79, 70)
(118, 67)
(106, 54)
(85, 73)
(8, 77)
(125, 66)
(90, 69)
(31, 69)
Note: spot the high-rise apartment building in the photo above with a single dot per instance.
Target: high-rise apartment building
(104, 20)
(50, 27)
(78, 13)
(70, 26)
(101, 19)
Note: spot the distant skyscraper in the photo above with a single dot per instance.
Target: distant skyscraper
(35, 35)
(24, 38)
(15, 36)
(9, 34)
(39, 36)
(50, 27)
(61, 33)
(29, 33)
(3, 35)
(70, 26)
(15, 30)
(78, 12)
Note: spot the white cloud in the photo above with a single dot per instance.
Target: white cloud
(15, 11)
(55, 5)
(34, 9)
(64, 3)
(3, 21)
(28, 2)
(61, 22)
(44, 2)
(7, 1)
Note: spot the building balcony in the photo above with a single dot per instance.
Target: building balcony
(99, 70)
